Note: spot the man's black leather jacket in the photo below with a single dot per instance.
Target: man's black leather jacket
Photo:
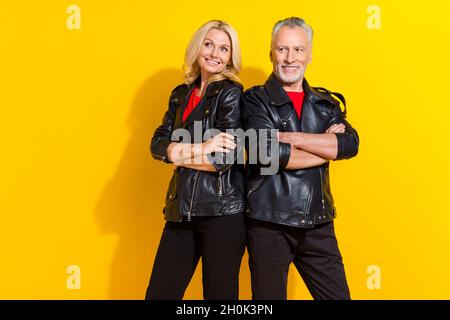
(300, 198)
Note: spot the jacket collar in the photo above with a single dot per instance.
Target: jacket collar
(279, 97)
(212, 89)
(203, 108)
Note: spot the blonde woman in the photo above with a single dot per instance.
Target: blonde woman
(205, 199)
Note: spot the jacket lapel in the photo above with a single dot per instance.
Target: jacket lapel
(279, 99)
(182, 101)
(309, 121)
(306, 114)
(197, 114)
(205, 104)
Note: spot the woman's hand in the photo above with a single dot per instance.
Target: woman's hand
(184, 154)
(223, 142)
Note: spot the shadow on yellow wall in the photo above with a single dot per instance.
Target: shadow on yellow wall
(131, 203)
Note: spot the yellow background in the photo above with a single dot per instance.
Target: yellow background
(78, 107)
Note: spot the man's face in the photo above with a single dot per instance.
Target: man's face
(290, 54)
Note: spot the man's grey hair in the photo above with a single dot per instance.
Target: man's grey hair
(291, 23)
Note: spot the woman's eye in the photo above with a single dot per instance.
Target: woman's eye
(224, 49)
(208, 44)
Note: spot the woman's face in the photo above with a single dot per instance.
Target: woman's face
(215, 53)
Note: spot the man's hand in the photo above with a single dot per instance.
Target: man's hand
(323, 145)
(288, 137)
(294, 138)
(336, 128)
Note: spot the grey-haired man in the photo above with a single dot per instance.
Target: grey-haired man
(290, 213)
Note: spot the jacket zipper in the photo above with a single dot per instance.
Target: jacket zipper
(257, 184)
(192, 196)
(321, 189)
(220, 183)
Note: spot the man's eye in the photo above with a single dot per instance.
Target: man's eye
(281, 49)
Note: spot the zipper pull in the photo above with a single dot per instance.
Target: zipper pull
(220, 183)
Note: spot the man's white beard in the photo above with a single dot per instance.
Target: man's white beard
(289, 79)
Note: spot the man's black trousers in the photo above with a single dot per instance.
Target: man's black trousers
(314, 252)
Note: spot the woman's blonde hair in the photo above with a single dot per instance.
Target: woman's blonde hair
(191, 67)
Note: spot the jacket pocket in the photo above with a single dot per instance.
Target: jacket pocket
(172, 189)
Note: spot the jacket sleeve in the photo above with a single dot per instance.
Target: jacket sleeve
(255, 116)
(162, 135)
(348, 142)
(228, 117)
